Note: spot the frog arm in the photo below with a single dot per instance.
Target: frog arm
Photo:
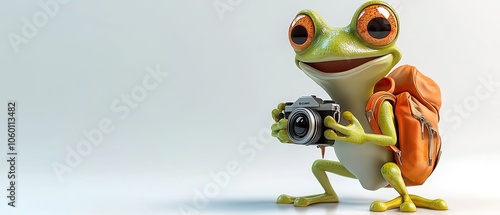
(354, 132)
(387, 127)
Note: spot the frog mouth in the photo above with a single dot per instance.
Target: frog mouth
(337, 66)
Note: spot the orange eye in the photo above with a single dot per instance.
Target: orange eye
(301, 32)
(377, 25)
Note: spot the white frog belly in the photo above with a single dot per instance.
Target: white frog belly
(365, 162)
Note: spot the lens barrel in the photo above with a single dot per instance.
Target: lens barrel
(305, 126)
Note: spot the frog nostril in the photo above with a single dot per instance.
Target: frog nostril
(299, 35)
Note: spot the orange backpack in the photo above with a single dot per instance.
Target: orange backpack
(416, 101)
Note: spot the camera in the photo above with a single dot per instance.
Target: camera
(305, 120)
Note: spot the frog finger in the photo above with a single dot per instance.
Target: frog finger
(280, 125)
(277, 111)
(275, 114)
(281, 106)
(283, 136)
(331, 135)
(283, 124)
(274, 133)
(351, 118)
(331, 123)
(275, 127)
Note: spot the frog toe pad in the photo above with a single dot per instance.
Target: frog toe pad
(378, 206)
(408, 207)
(439, 204)
(285, 199)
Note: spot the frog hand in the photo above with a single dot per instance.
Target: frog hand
(279, 127)
(352, 133)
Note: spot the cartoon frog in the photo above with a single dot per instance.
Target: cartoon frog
(347, 62)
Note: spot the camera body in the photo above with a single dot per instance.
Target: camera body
(305, 120)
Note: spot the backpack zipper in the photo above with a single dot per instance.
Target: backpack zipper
(422, 124)
(398, 152)
(425, 124)
(431, 142)
(431, 137)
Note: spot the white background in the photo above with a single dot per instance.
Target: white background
(226, 72)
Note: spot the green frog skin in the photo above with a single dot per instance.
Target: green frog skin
(347, 62)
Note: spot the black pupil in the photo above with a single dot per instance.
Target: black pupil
(300, 126)
(379, 28)
(299, 34)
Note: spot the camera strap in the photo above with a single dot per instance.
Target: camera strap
(322, 151)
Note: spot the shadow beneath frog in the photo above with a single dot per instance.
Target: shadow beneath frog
(225, 205)
(269, 206)
(255, 206)
(345, 204)
(242, 205)
(264, 205)
(328, 208)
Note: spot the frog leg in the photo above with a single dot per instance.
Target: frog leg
(392, 174)
(319, 169)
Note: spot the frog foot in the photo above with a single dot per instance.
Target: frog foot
(409, 206)
(308, 200)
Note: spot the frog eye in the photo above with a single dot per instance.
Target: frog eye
(377, 25)
(301, 32)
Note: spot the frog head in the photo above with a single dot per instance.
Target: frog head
(351, 58)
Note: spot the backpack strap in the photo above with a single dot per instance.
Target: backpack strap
(382, 91)
(386, 84)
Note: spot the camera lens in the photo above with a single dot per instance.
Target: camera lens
(300, 126)
(304, 126)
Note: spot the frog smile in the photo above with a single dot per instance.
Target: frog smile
(337, 66)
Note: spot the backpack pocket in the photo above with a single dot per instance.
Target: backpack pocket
(418, 139)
